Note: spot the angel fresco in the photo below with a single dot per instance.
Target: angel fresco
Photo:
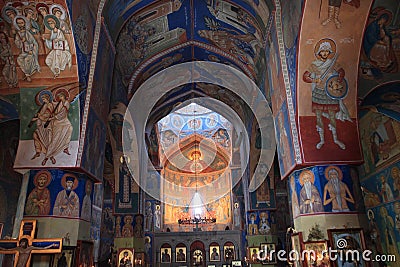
(53, 129)
(61, 127)
(42, 134)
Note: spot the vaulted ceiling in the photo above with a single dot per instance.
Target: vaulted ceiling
(153, 35)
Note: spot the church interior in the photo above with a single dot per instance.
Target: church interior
(212, 133)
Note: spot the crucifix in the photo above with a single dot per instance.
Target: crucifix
(196, 222)
(26, 244)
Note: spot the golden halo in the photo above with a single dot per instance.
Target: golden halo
(338, 170)
(328, 40)
(304, 173)
(127, 251)
(40, 94)
(64, 181)
(45, 173)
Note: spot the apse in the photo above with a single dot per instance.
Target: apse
(196, 161)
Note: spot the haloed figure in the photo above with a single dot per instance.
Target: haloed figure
(59, 56)
(61, 127)
(28, 57)
(324, 68)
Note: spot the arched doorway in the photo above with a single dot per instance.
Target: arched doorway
(197, 254)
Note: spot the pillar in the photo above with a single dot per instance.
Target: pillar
(316, 121)
(324, 207)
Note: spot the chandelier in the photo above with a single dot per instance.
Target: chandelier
(196, 203)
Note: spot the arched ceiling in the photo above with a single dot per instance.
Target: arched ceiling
(175, 97)
(153, 35)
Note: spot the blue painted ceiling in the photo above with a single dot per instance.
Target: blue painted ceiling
(153, 35)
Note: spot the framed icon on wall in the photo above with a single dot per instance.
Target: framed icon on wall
(320, 257)
(65, 258)
(350, 239)
(215, 254)
(180, 254)
(125, 257)
(165, 255)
